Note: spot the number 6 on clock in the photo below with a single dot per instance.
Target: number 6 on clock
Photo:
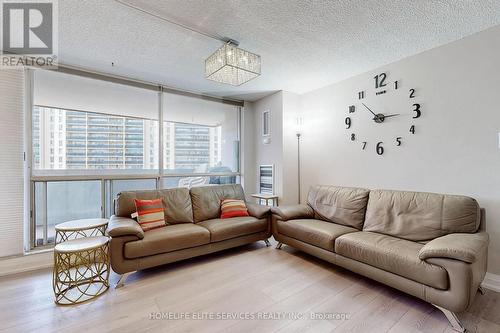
(380, 149)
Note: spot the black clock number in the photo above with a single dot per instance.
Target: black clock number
(380, 149)
(364, 145)
(412, 93)
(396, 85)
(352, 108)
(361, 95)
(348, 122)
(380, 80)
(417, 110)
(353, 137)
(412, 129)
(398, 141)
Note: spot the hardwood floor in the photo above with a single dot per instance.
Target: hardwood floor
(248, 280)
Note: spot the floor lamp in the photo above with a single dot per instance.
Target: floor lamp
(298, 133)
(298, 164)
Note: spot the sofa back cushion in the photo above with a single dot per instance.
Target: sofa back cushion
(342, 205)
(176, 203)
(419, 216)
(207, 199)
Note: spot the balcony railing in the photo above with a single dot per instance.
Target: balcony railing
(57, 201)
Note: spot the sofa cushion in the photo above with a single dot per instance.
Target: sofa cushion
(207, 199)
(167, 239)
(418, 216)
(391, 254)
(150, 214)
(222, 229)
(315, 232)
(342, 205)
(177, 203)
(233, 208)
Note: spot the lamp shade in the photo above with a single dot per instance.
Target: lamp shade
(232, 65)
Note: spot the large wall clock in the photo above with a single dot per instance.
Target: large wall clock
(366, 102)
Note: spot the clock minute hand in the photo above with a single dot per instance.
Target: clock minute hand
(369, 109)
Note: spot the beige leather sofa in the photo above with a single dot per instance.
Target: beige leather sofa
(194, 227)
(432, 246)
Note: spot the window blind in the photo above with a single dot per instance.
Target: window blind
(11, 162)
(66, 91)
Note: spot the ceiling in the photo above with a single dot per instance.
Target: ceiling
(304, 44)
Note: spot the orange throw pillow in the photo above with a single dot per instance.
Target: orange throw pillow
(233, 208)
(150, 214)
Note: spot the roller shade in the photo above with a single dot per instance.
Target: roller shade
(66, 91)
(190, 110)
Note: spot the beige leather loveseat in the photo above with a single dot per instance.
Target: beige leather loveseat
(194, 227)
(431, 246)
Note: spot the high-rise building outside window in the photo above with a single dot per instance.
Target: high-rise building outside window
(86, 140)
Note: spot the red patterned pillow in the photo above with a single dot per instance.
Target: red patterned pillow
(150, 214)
(233, 208)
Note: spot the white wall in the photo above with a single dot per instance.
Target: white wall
(456, 146)
(292, 106)
(248, 173)
(271, 153)
(282, 149)
(11, 162)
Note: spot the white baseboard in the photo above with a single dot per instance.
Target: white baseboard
(26, 263)
(492, 282)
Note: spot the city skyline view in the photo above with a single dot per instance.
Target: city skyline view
(68, 139)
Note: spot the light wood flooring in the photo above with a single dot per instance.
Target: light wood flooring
(248, 280)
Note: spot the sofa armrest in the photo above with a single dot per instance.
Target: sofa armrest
(258, 211)
(458, 246)
(123, 226)
(292, 212)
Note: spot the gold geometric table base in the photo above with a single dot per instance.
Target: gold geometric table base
(81, 270)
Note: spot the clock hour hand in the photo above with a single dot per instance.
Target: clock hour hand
(391, 115)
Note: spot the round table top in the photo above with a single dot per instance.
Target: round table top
(81, 244)
(84, 224)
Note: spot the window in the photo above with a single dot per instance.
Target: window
(200, 137)
(266, 123)
(60, 201)
(115, 186)
(94, 124)
(92, 139)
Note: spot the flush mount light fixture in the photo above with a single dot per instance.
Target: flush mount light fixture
(232, 65)
(229, 64)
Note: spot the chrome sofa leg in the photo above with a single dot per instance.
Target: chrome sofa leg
(267, 242)
(481, 290)
(452, 318)
(278, 246)
(123, 277)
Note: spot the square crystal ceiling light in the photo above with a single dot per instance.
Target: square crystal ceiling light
(232, 65)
